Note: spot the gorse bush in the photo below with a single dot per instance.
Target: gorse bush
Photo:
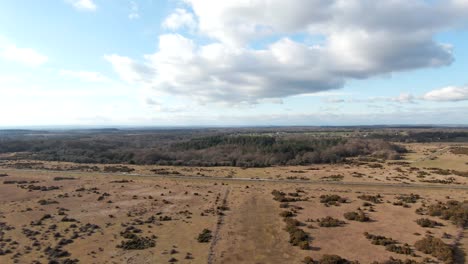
(330, 222)
(335, 259)
(359, 216)
(281, 197)
(137, 243)
(398, 261)
(380, 240)
(332, 199)
(205, 236)
(297, 236)
(426, 222)
(436, 247)
(371, 198)
(411, 198)
(389, 244)
(405, 249)
(456, 212)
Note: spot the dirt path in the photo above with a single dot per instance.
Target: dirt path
(219, 224)
(258, 237)
(461, 245)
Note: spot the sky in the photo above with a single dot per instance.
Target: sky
(233, 62)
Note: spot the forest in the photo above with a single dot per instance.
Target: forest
(215, 147)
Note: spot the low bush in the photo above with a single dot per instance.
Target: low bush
(371, 198)
(397, 261)
(330, 222)
(426, 222)
(405, 249)
(456, 212)
(286, 214)
(332, 199)
(380, 240)
(412, 198)
(336, 177)
(63, 178)
(436, 247)
(281, 197)
(137, 243)
(359, 216)
(297, 236)
(205, 236)
(335, 259)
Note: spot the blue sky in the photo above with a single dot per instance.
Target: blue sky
(206, 62)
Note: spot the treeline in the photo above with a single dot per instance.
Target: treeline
(196, 149)
(423, 136)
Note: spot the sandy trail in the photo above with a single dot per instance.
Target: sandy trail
(259, 236)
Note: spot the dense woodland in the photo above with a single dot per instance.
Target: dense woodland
(214, 147)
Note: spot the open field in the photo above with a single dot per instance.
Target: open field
(87, 215)
(365, 208)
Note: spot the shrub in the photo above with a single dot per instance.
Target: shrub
(63, 178)
(335, 259)
(205, 236)
(405, 249)
(412, 198)
(435, 247)
(371, 198)
(397, 261)
(137, 243)
(281, 197)
(308, 260)
(426, 222)
(336, 177)
(357, 216)
(330, 222)
(332, 199)
(380, 240)
(46, 202)
(460, 151)
(455, 211)
(286, 214)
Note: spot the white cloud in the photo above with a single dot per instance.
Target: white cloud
(84, 75)
(26, 56)
(449, 94)
(238, 21)
(129, 70)
(134, 10)
(178, 19)
(359, 39)
(85, 5)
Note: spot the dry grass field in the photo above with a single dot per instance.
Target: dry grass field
(56, 212)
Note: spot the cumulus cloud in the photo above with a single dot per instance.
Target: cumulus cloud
(178, 19)
(85, 5)
(447, 94)
(359, 39)
(87, 76)
(25, 56)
